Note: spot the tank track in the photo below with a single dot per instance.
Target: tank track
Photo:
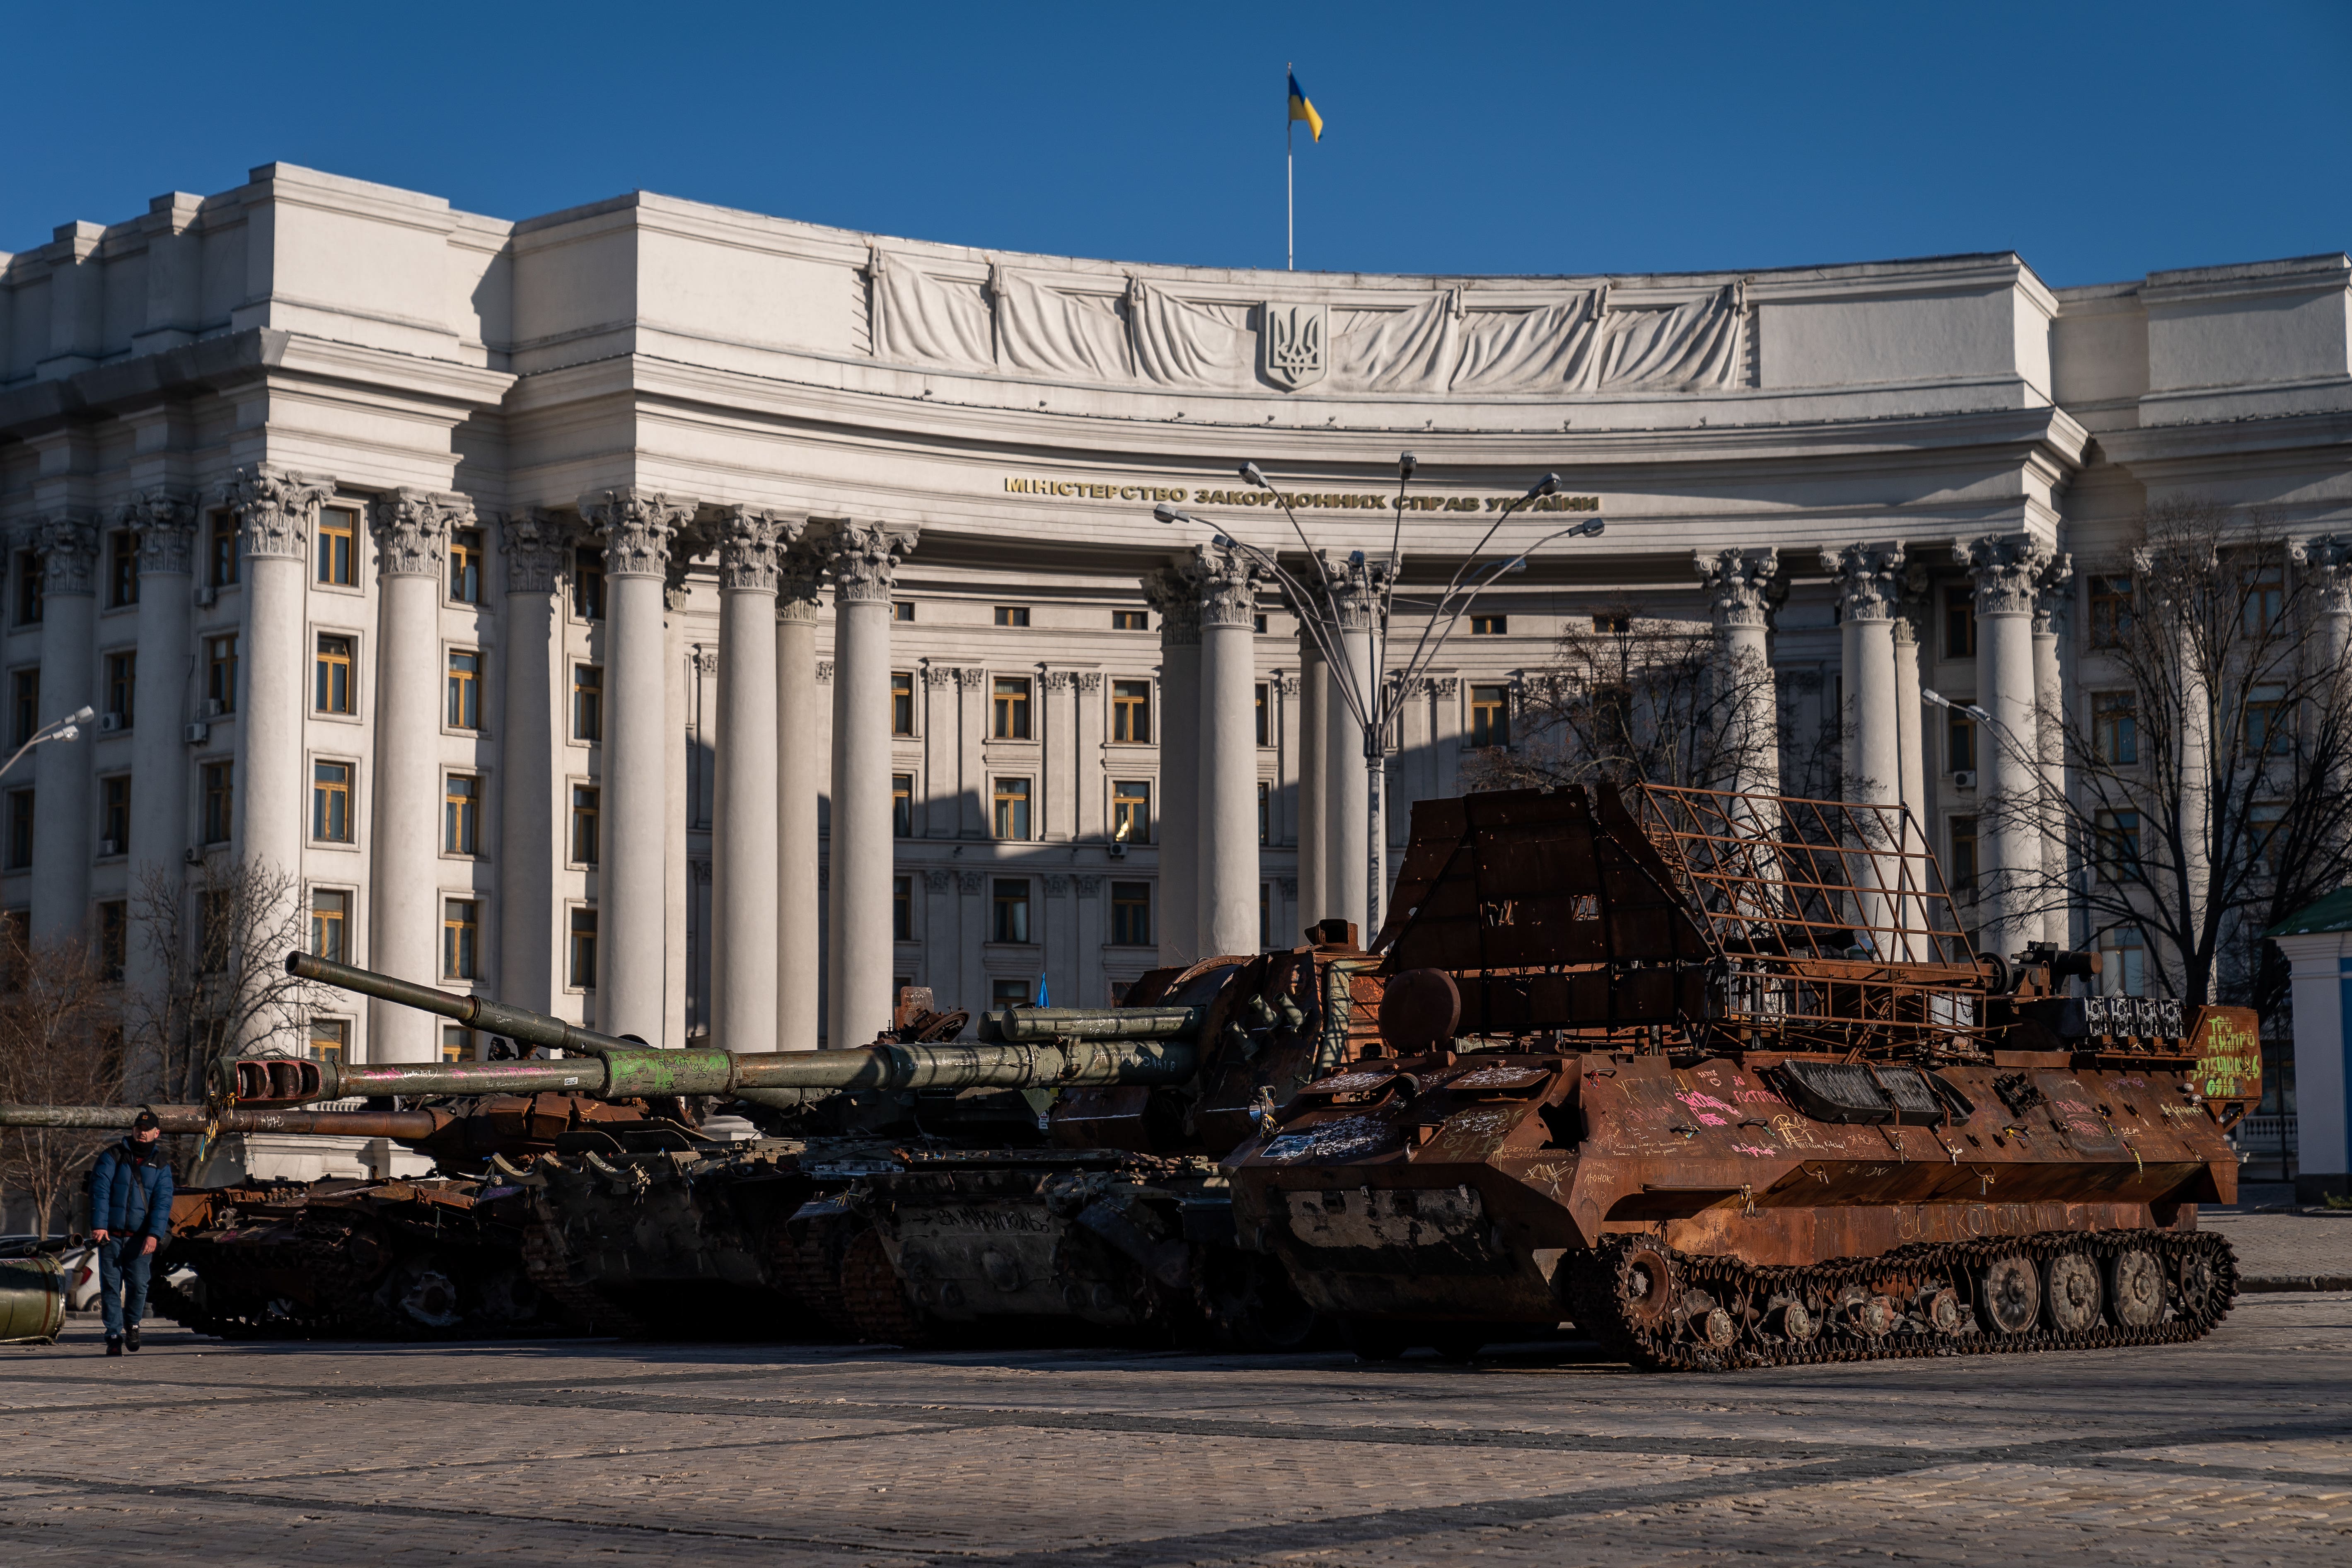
(876, 1301)
(548, 1268)
(320, 1250)
(1720, 1314)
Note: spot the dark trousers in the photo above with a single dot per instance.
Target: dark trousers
(124, 1264)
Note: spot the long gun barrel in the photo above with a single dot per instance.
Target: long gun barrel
(399, 1125)
(1059, 1051)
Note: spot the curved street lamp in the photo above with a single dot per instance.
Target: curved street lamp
(65, 728)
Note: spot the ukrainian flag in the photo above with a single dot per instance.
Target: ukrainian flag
(1302, 109)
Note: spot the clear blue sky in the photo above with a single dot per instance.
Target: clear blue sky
(2100, 141)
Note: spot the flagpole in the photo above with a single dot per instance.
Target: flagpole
(1289, 177)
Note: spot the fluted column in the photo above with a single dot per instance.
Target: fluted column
(2052, 596)
(1865, 577)
(743, 846)
(67, 549)
(864, 558)
(802, 762)
(1738, 584)
(1228, 849)
(1350, 846)
(633, 881)
(275, 510)
(1314, 774)
(1174, 594)
(2009, 834)
(412, 551)
(164, 522)
(533, 817)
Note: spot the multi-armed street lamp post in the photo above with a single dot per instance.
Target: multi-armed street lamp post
(1357, 656)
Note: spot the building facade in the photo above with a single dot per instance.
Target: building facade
(688, 621)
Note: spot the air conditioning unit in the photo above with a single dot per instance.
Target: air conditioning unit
(214, 708)
(108, 847)
(109, 723)
(1964, 778)
(193, 855)
(205, 595)
(197, 733)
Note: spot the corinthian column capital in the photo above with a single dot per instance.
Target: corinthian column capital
(1868, 578)
(1738, 583)
(752, 544)
(412, 530)
(538, 548)
(2327, 560)
(2054, 594)
(274, 508)
(163, 520)
(864, 559)
(1228, 582)
(68, 547)
(1355, 587)
(2006, 567)
(638, 527)
(1174, 592)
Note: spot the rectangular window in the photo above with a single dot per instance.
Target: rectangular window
(2115, 727)
(587, 802)
(2268, 726)
(2111, 610)
(457, 1043)
(2263, 824)
(1265, 812)
(330, 802)
(220, 801)
(330, 925)
(2123, 972)
(1130, 914)
(2118, 845)
(583, 949)
(1011, 908)
(1257, 623)
(461, 927)
(24, 712)
(31, 588)
(588, 584)
(1012, 615)
(1130, 811)
(1960, 741)
(122, 687)
(338, 552)
(1490, 715)
(1130, 620)
(2265, 599)
(220, 674)
(122, 569)
(902, 806)
(902, 702)
(330, 1040)
(113, 938)
(902, 610)
(461, 815)
(465, 689)
(220, 556)
(1013, 808)
(20, 829)
(1258, 692)
(902, 908)
(466, 565)
(1613, 623)
(1130, 711)
(114, 815)
(1960, 621)
(1012, 703)
(587, 701)
(333, 667)
(1002, 993)
(1489, 626)
(1962, 878)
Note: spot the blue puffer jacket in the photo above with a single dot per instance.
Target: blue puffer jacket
(130, 1190)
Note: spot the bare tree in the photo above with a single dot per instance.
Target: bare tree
(2208, 795)
(1648, 702)
(60, 1043)
(219, 948)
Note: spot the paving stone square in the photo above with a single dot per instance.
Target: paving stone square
(2234, 1450)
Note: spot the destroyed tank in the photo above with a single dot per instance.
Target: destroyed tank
(436, 1257)
(1057, 1174)
(1720, 1080)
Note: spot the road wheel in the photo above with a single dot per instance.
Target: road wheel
(2008, 1295)
(2071, 1293)
(2136, 1289)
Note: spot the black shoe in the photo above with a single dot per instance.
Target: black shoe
(131, 1339)
(114, 1345)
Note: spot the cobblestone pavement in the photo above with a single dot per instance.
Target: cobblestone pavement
(2234, 1450)
(2287, 1241)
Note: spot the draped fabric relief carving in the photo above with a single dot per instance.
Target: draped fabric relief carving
(1084, 327)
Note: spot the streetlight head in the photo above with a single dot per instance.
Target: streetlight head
(83, 715)
(1518, 565)
(1167, 513)
(1406, 464)
(1591, 530)
(69, 733)
(1548, 485)
(1355, 558)
(1933, 699)
(1250, 472)
(1977, 713)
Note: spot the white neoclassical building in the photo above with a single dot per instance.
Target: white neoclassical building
(689, 620)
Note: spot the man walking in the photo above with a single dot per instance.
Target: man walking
(129, 1215)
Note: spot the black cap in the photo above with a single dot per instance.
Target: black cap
(144, 1122)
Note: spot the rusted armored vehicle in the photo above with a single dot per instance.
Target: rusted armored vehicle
(436, 1257)
(1721, 1080)
(1057, 1174)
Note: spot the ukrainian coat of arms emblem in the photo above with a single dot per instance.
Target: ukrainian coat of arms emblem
(1295, 343)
